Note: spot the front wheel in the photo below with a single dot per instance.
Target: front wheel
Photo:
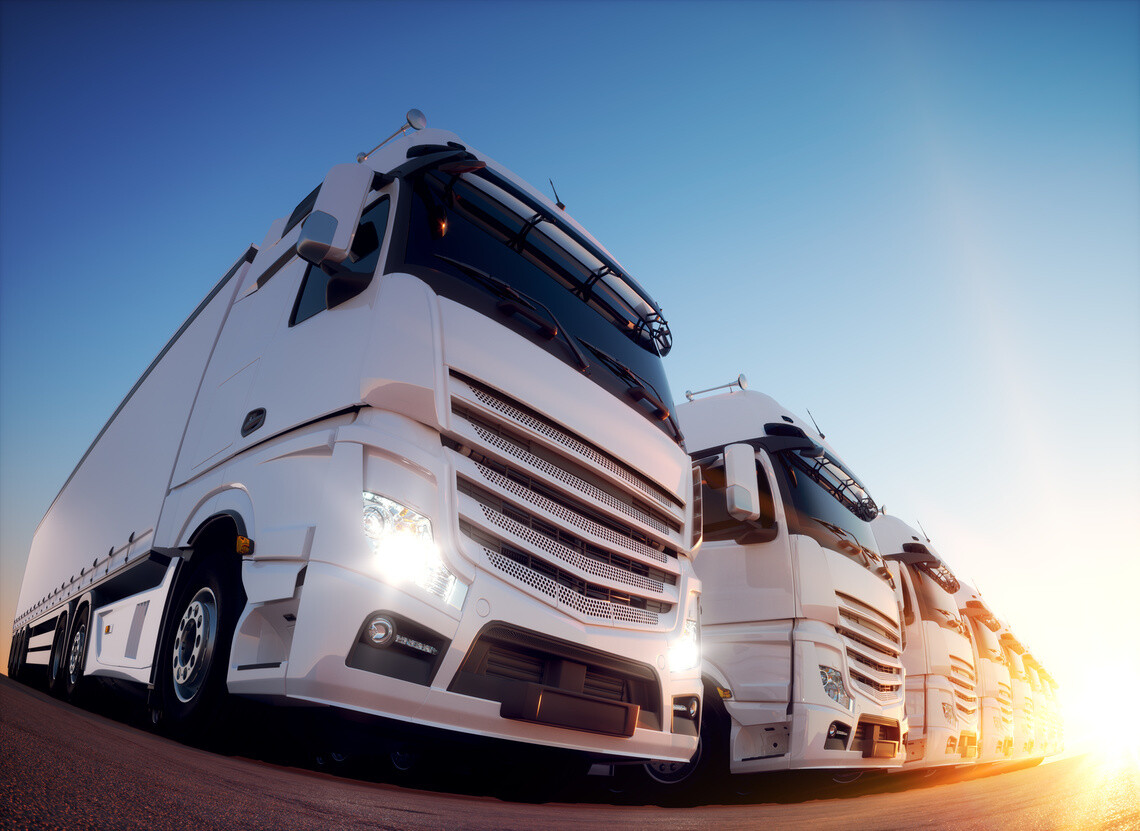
(701, 780)
(195, 652)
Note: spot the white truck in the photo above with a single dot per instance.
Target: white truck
(1055, 728)
(1024, 705)
(994, 690)
(1043, 716)
(801, 637)
(938, 656)
(410, 458)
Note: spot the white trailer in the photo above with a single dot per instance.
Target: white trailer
(995, 691)
(410, 458)
(800, 628)
(938, 657)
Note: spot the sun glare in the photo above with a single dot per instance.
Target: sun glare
(1093, 726)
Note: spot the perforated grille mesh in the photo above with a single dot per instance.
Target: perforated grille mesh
(588, 606)
(880, 692)
(569, 442)
(568, 479)
(887, 655)
(868, 618)
(875, 665)
(856, 643)
(570, 517)
(566, 555)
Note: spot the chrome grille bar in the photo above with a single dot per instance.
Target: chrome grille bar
(543, 508)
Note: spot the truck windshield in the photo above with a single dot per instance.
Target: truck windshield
(824, 501)
(988, 646)
(1016, 667)
(480, 241)
(934, 601)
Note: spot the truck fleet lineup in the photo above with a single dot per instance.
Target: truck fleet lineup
(415, 460)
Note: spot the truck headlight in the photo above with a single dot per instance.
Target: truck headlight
(685, 650)
(833, 685)
(404, 549)
(949, 712)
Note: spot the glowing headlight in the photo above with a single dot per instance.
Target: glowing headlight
(685, 651)
(833, 685)
(404, 549)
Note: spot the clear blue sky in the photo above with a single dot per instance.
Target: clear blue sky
(920, 220)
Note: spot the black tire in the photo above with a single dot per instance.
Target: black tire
(18, 655)
(194, 655)
(80, 636)
(57, 660)
(703, 779)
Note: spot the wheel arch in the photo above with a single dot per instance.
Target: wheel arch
(231, 502)
(208, 540)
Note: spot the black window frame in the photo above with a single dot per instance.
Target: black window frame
(314, 272)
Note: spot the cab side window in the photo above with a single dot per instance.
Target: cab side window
(719, 526)
(362, 260)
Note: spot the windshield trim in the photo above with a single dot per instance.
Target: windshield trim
(620, 283)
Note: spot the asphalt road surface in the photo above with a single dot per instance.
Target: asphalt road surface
(64, 767)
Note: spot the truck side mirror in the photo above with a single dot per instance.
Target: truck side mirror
(741, 492)
(327, 232)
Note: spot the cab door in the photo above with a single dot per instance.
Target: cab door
(284, 357)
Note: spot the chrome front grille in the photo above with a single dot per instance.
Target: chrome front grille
(873, 644)
(559, 517)
(965, 692)
(1005, 701)
(526, 491)
(524, 416)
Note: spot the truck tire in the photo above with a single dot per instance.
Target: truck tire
(18, 655)
(74, 683)
(57, 660)
(194, 655)
(702, 779)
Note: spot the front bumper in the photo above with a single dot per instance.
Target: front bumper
(452, 694)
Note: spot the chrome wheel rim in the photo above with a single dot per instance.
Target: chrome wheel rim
(194, 643)
(74, 670)
(402, 759)
(669, 773)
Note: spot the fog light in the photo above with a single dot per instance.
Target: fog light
(381, 630)
(686, 707)
(837, 735)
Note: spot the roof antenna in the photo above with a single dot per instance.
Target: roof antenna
(821, 435)
(557, 201)
(923, 530)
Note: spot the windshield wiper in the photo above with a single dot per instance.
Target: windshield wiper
(639, 389)
(515, 302)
